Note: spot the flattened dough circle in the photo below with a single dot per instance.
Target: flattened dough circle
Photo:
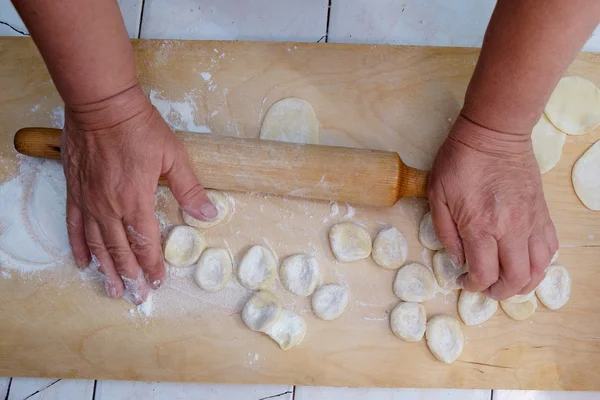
(445, 338)
(547, 143)
(213, 270)
(408, 321)
(183, 246)
(288, 331)
(257, 269)
(574, 106)
(475, 308)
(446, 272)
(427, 235)
(586, 177)
(222, 205)
(300, 274)
(555, 289)
(520, 311)
(262, 311)
(330, 301)
(390, 248)
(350, 242)
(414, 283)
(291, 120)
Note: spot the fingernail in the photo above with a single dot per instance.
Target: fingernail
(155, 284)
(460, 280)
(454, 259)
(208, 210)
(110, 289)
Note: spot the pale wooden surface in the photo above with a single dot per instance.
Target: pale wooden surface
(384, 98)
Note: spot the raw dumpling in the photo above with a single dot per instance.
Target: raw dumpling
(213, 270)
(408, 321)
(427, 235)
(288, 331)
(446, 272)
(445, 338)
(414, 283)
(350, 242)
(222, 205)
(475, 308)
(257, 269)
(262, 311)
(183, 246)
(390, 248)
(555, 289)
(300, 274)
(574, 106)
(291, 120)
(330, 301)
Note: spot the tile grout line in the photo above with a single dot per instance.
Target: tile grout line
(327, 26)
(94, 392)
(491, 394)
(139, 34)
(8, 390)
(294, 393)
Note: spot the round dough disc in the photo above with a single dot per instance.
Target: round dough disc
(445, 338)
(427, 235)
(520, 311)
(586, 177)
(262, 311)
(520, 298)
(574, 106)
(222, 205)
(183, 246)
(408, 321)
(330, 301)
(475, 308)
(350, 242)
(446, 272)
(291, 120)
(213, 270)
(414, 283)
(300, 274)
(390, 248)
(555, 289)
(257, 269)
(288, 331)
(547, 144)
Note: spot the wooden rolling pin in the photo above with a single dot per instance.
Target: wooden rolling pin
(358, 176)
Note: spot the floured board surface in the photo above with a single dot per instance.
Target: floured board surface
(55, 322)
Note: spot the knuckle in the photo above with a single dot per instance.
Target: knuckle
(482, 276)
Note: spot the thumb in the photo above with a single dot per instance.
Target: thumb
(184, 185)
(446, 230)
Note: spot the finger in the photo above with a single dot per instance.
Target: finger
(144, 237)
(515, 271)
(76, 232)
(113, 285)
(125, 262)
(446, 230)
(551, 237)
(185, 187)
(481, 254)
(539, 258)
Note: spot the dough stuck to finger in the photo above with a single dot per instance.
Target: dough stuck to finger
(213, 270)
(446, 272)
(555, 289)
(350, 242)
(520, 311)
(257, 269)
(586, 177)
(445, 338)
(183, 246)
(288, 331)
(408, 321)
(330, 301)
(574, 106)
(415, 283)
(475, 308)
(547, 143)
(300, 274)
(390, 248)
(262, 311)
(221, 204)
(427, 235)
(291, 120)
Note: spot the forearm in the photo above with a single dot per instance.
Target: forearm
(527, 47)
(85, 46)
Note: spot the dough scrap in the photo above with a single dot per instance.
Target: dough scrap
(547, 143)
(574, 106)
(213, 270)
(475, 308)
(288, 331)
(408, 321)
(586, 177)
(446, 272)
(330, 301)
(183, 246)
(555, 289)
(445, 338)
(350, 242)
(291, 120)
(427, 235)
(257, 269)
(220, 202)
(520, 311)
(262, 311)
(300, 274)
(414, 283)
(390, 248)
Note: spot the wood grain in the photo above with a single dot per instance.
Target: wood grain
(401, 99)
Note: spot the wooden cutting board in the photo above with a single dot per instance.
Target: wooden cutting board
(54, 324)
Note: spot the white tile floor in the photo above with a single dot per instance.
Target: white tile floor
(433, 22)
